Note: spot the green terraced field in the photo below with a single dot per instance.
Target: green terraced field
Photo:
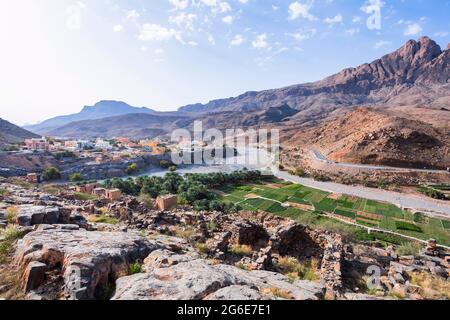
(345, 213)
(390, 216)
(446, 224)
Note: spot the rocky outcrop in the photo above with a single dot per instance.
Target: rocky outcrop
(188, 278)
(29, 215)
(89, 261)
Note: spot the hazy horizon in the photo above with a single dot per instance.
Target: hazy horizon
(60, 55)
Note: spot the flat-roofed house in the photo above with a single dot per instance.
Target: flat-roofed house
(166, 202)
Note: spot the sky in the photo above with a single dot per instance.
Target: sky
(57, 56)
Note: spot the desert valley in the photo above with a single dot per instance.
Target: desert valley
(93, 207)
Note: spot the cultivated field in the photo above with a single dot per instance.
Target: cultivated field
(300, 203)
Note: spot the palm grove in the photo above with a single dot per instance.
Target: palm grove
(193, 189)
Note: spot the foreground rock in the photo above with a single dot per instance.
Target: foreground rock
(29, 215)
(89, 261)
(172, 276)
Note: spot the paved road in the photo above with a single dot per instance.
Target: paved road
(403, 200)
(419, 203)
(317, 155)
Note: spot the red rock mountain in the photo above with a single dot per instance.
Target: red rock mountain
(417, 67)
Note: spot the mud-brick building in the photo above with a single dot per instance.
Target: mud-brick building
(166, 202)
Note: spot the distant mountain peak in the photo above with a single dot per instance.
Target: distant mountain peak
(102, 109)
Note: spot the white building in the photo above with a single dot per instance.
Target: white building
(102, 144)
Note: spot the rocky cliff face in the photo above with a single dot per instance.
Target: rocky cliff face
(419, 63)
(10, 133)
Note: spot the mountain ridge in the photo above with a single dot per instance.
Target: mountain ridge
(10, 133)
(102, 109)
(415, 75)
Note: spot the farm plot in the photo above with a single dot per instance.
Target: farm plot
(275, 199)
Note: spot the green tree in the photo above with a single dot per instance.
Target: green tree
(76, 177)
(132, 168)
(51, 173)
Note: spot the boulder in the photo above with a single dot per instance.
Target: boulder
(34, 275)
(174, 277)
(89, 260)
(29, 215)
(236, 292)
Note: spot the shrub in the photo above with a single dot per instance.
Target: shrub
(132, 168)
(309, 270)
(11, 214)
(84, 196)
(146, 199)
(433, 287)
(51, 173)
(321, 177)
(103, 219)
(409, 248)
(432, 193)
(164, 164)
(279, 293)
(9, 235)
(51, 189)
(184, 232)
(241, 250)
(64, 154)
(134, 268)
(76, 177)
(3, 192)
(242, 266)
(201, 247)
(299, 172)
(173, 168)
(212, 226)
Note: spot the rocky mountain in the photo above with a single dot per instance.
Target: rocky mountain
(134, 125)
(414, 77)
(102, 109)
(10, 133)
(418, 67)
(383, 137)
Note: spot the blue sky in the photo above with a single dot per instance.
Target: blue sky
(59, 55)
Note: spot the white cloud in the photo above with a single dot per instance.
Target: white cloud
(334, 20)
(237, 40)
(154, 32)
(211, 39)
(179, 4)
(352, 31)
(185, 20)
(193, 43)
(412, 29)
(74, 13)
(382, 43)
(356, 19)
(132, 15)
(442, 34)
(209, 3)
(260, 42)
(118, 28)
(159, 51)
(224, 7)
(301, 10)
(228, 19)
(303, 34)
